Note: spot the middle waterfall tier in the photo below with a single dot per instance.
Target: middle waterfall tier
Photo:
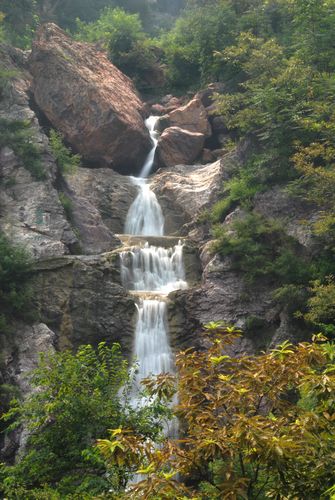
(153, 269)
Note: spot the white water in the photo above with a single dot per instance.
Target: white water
(151, 268)
(151, 347)
(145, 217)
(150, 124)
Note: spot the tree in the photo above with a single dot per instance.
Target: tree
(122, 35)
(76, 398)
(254, 426)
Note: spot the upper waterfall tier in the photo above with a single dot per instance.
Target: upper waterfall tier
(145, 215)
(152, 268)
(148, 164)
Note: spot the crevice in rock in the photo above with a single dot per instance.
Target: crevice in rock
(43, 121)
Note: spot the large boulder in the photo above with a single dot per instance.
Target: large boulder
(89, 100)
(177, 146)
(192, 117)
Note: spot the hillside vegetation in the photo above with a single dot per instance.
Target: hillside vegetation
(253, 427)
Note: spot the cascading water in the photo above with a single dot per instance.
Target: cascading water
(145, 217)
(151, 338)
(151, 268)
(155, 271)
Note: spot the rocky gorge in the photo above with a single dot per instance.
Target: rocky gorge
(77, 288)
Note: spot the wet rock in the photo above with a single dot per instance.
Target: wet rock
(89, 100)
(177, 146)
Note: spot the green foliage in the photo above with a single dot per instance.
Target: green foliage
(15, 294)
(260, 248)
(321, 305)
(5, 78)
(190, 46)
(66, 161)
(20, 21)
(253, 426)
(241, 190)
(78, 399)
(67, 205)
(122, 34)
(18, 136)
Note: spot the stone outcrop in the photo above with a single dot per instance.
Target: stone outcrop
(19, 356)
(89, 100)
(81, 299)
(30, 211)
(177, 146)
(104, 190)
(184, 192)
(191, 117)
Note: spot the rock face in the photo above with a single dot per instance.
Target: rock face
(177, 146)
(30, 211)
(89, 100)
(185, 191)
(106, 191)
(81, 299)
(20, 355)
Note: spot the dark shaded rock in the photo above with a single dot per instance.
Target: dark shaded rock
(30, 211)
(207, 156)
(296, 215)
(206, 96)
(110, 193)
(81, 299)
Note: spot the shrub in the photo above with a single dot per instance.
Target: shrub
(66, 161)
(259, 247)
(19, 136)
(5, 77)
(122, 34)
(15, 294)
(67, 205)
(245, 436)
(80, 396)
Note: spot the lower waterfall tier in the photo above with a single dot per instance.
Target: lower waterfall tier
(152, 350)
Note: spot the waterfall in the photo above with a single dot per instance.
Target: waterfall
(150, 124)
(151, 348)
(154, 270)
(145, 217)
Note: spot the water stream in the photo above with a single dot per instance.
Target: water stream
(154, 270)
